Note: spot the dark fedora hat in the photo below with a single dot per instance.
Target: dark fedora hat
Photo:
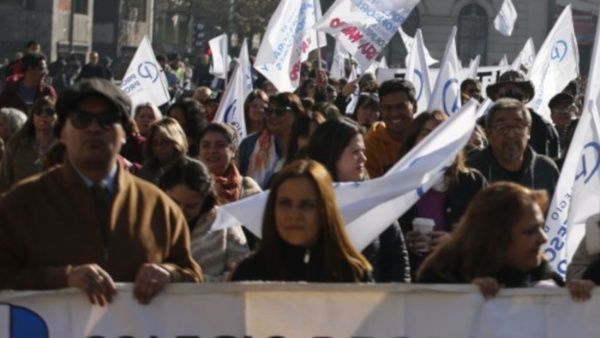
(514, 77)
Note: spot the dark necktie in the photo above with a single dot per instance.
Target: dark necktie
(102, 205)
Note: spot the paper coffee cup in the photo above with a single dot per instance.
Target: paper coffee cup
(423, 225)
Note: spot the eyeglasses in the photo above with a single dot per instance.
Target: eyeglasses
(44, 112)
(277, 111)
(518, 130)
(82, 119)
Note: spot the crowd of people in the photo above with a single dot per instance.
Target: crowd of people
(95, 191)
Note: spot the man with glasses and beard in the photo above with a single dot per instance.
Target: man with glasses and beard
(89, 223)
(508, 157)
(544, 137)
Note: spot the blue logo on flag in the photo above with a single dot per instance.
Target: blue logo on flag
(148, 70)
(420, 77)
(559, 51)
(590, 151)
(450, 99)
(24, 323)
(229, 112)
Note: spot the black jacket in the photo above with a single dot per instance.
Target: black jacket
(388, 256)
(538, 171)
(544, 137)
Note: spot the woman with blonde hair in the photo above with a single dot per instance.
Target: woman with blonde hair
(498, 243)
(165, 146)
(144, 115)
(303, 234)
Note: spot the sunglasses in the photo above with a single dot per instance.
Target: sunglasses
(44, 112)
(82, 119)
(277, 111)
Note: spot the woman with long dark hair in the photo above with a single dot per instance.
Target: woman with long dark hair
(338, 144)
(303, 234)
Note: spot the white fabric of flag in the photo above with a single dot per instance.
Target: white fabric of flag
(506, 18)
(525, 58)
(354, 96)
(231, 108)
(145, 80)
(369, 207)
(417, 72)
(365, 27)
(219, 48)
(409, 42)
(577, 193)
(556, 63)
(473, 68)
(503, 61)
(338, 63)
(287, 41)
(445, 95)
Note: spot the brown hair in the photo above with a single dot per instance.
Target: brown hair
(255, 94)
(342, 262)
(173, 131)
(480, 241)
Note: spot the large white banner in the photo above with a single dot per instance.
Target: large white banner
(577, 193)
(445, 95)
(556, 63)
(409, 43)
(417, 72)
(287, 41)
(219, 49)
(231, 108)
(301, 310)
(364, 27)
(338, 63)
(145, 80)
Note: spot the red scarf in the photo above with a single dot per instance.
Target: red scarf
(228, 186)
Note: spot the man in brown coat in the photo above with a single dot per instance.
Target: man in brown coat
(89, 223)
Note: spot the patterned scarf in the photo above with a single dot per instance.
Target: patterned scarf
(228, 186)
(263, 160)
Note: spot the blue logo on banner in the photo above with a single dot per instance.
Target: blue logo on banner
(450, 99)
(559, 51)
(25, 323)
(229, 112)
(148, 70)
(420, 76)
(591, 151)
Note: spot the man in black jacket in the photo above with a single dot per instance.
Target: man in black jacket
(508, 156)
(544, 137)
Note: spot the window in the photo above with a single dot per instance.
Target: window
(81, 6)
(472, 33)
(135, 10)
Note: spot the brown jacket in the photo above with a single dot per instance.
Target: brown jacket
(382, 150)
(48, 224)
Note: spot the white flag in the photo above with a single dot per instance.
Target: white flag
(338, 64)
(365, 27)
(525, 58)
(219, 48)
(504, 61)
(473, 68)
(577, 193)
(145, 80)
(556, 64)
(351, 106)
(409, 42)
(417, 72)
(378, 202)
(445, 95)
(506, 18)
(231, 108)
(287, 41)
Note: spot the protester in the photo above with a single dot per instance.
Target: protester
(217, 151)
(446, 201)
(144, 115)
(470, 89)
(508, 156)
(11, 121)
(93, 69)
(498, 244)
(397, 105)
(134, 147)
(16, 66)
(261, 154)
(302, 130)
(565, 115)
(21, 90)
(477, 142)
(367, 110)
(307, 89)
(338, 145)
(254, 111)
(543, 136)
(190, 185)
(303, 235)
(25, 152)
(93, 222)
(192, 117)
